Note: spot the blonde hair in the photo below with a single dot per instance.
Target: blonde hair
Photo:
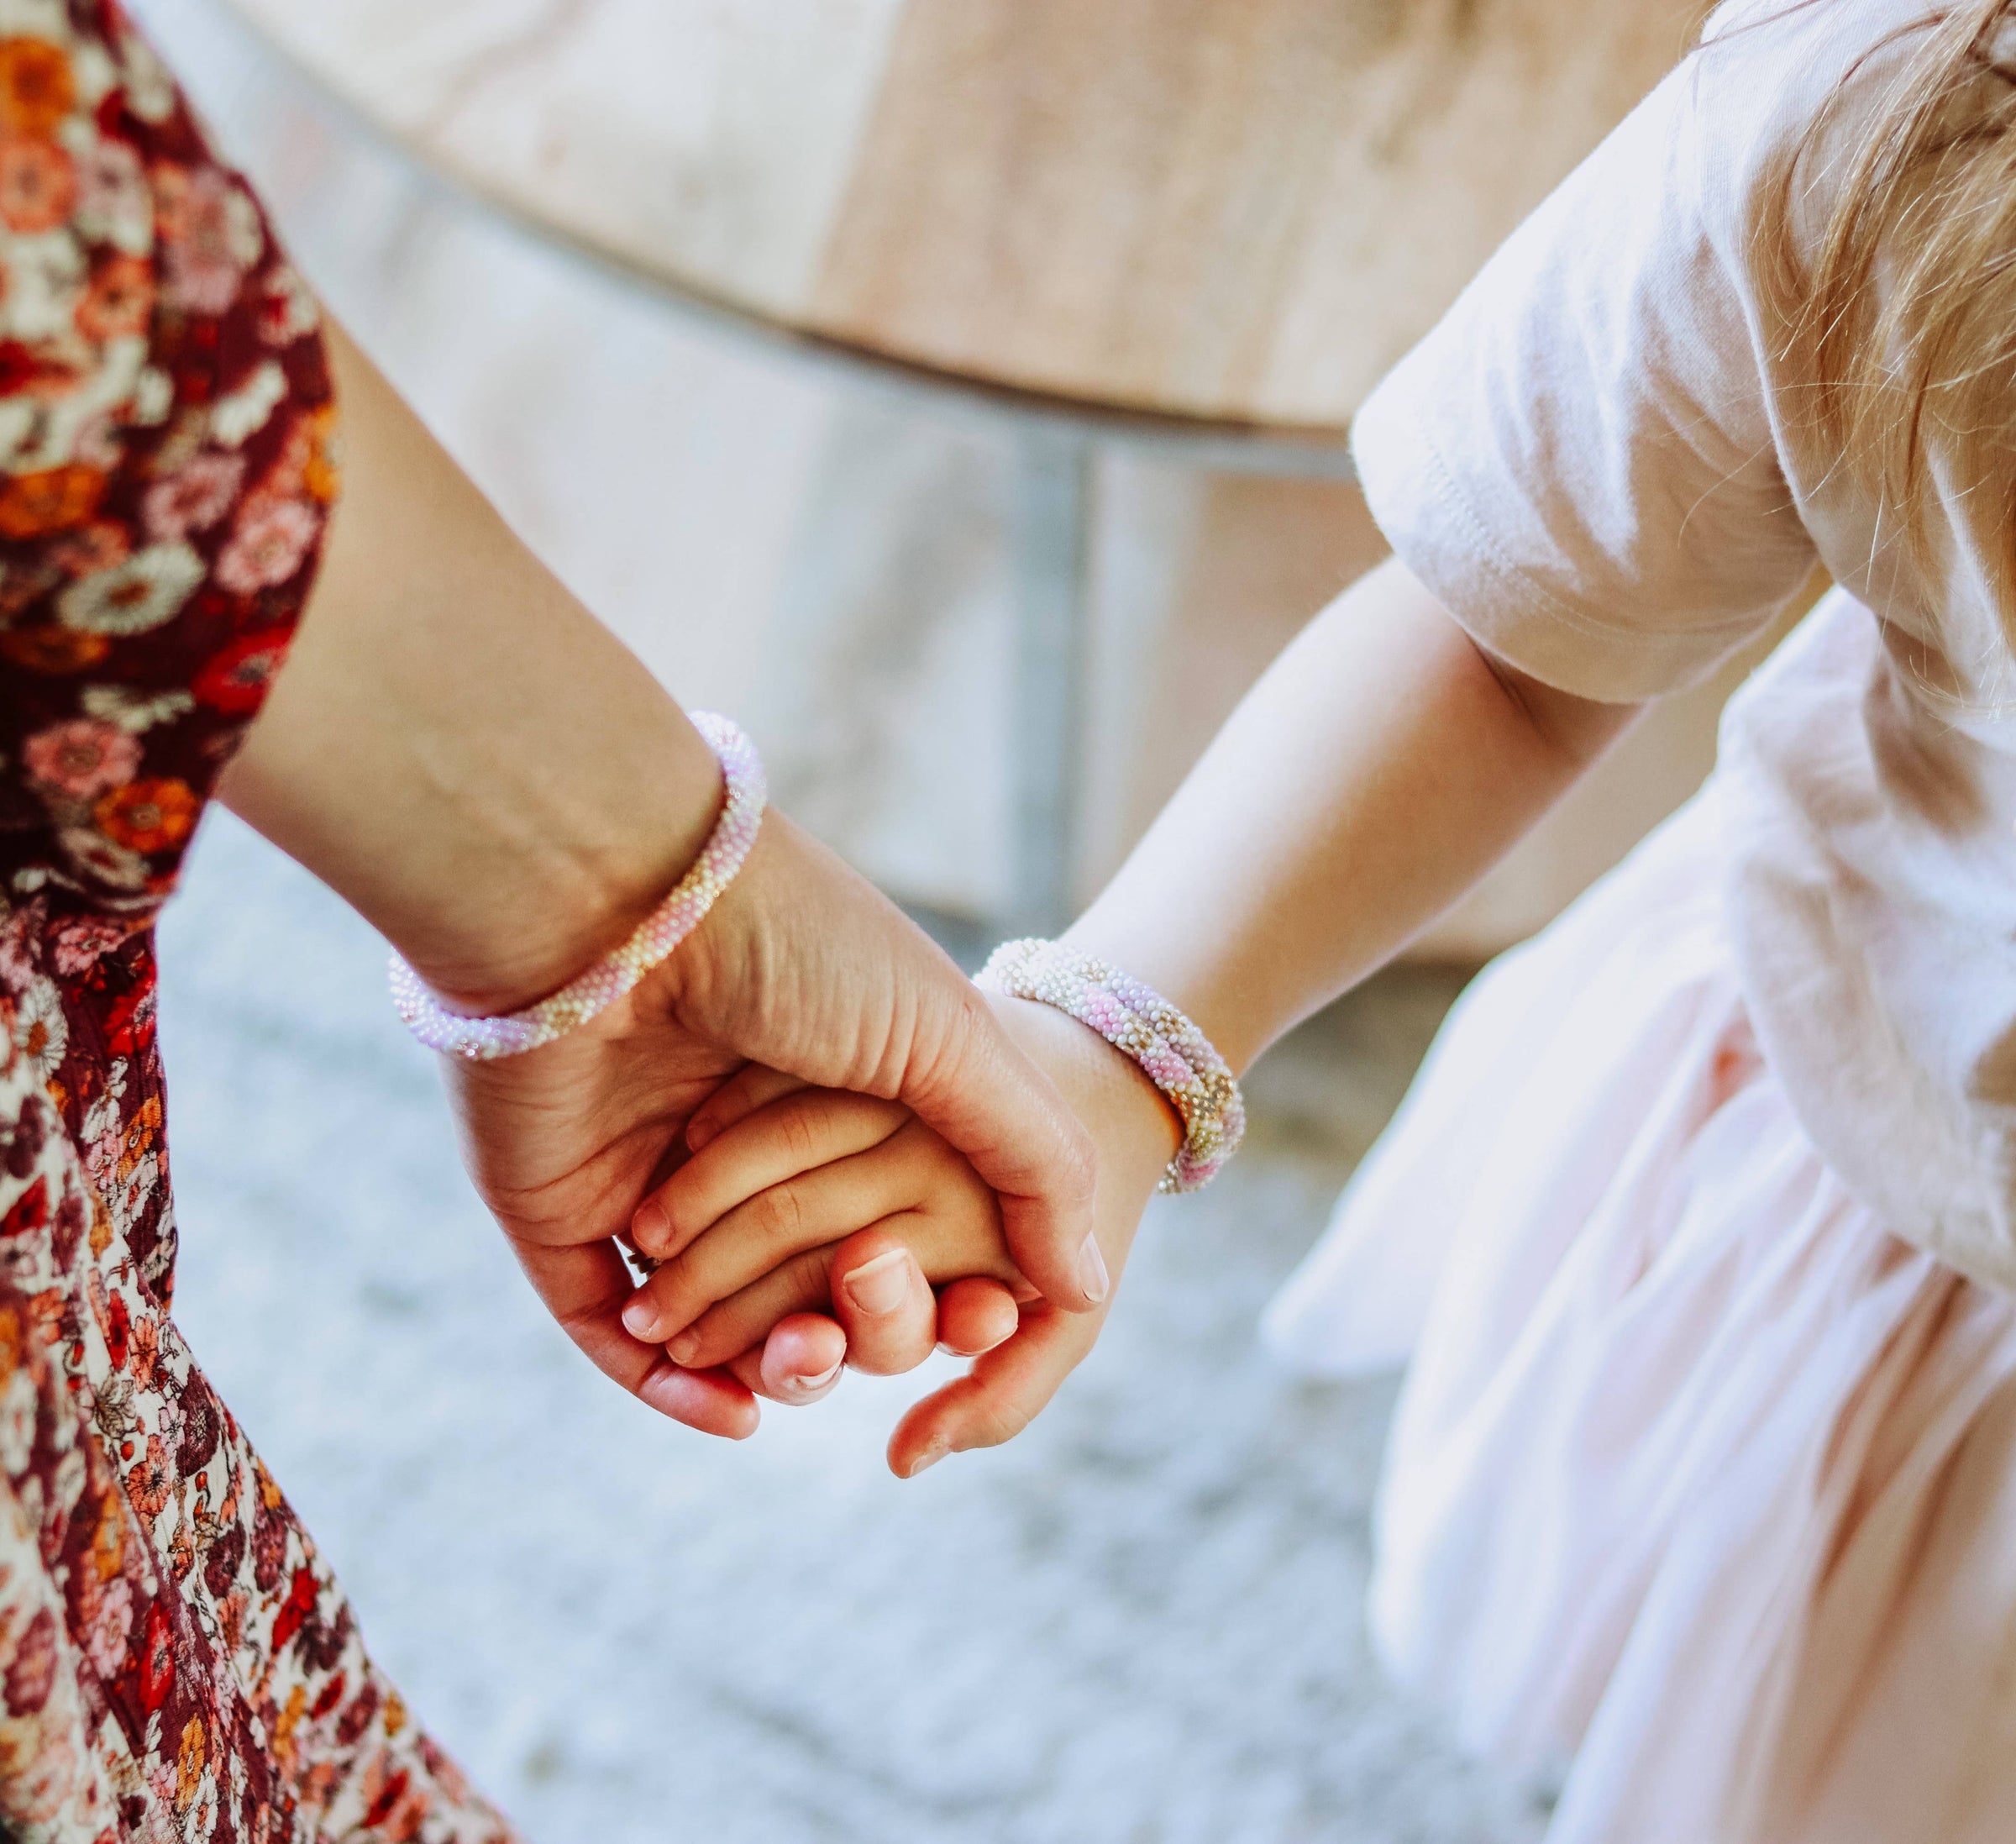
(1902, 315)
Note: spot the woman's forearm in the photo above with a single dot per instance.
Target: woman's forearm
(456, 745)
(461, 750)
(1378, 770)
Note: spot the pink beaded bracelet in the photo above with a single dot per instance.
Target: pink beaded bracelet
(482, 1040)
(1137, 1021)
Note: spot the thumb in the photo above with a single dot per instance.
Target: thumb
(985, 1096)
(1000, 1396)
(804, 965)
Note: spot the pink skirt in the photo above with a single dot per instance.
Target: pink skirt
(1702, 1490)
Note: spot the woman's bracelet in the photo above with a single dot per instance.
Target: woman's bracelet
(482, 1040)
(1137, 1021)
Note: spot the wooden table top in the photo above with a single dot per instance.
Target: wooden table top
(1236, 210)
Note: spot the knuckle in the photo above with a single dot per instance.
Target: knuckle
(800, 1136)
(715, 1331)
(686, 1213)
(809, 1277)
(579, 1323)
(672, 1291)
(998, 1422)
(725, 1333)
(947, 1022)
(794, 1284)
(1079, 1168)
(779, 1213)
(800, 1283)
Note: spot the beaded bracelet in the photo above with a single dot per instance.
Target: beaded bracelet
(483, 1040)
(1137, 1021)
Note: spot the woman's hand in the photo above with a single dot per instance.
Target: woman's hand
(805, 967)
(781, 1180)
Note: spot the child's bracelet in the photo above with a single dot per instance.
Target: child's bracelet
(1137, 1021)
(482, 1040)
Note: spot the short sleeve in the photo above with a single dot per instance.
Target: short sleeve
(1579, 460)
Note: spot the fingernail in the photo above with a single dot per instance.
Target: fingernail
(1092, 1271)
(883, 1285)
(927, 1459)
(640, 1318)
(698, 1133)
(819, 1382)
(648, 1225)
(682, 1348)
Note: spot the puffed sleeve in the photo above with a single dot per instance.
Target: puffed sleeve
(1581, 459)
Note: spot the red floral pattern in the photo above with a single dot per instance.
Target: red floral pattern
(175, 1662)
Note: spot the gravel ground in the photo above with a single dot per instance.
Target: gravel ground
(1140, 1623)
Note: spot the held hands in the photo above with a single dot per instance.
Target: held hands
(803, 967)
(461, 750)
(791, 1188)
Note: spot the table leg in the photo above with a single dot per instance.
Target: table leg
(1052, 482)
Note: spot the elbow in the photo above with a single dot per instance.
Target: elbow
(1572, 730)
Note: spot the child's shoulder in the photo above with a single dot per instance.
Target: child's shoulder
(1779, 99)
(1823, 37)
(1766, 74)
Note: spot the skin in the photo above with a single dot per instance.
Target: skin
(927, 1209)
(1375, 774)
(461, 750)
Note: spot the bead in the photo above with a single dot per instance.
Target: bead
(510, 1034)
(1139, 1022)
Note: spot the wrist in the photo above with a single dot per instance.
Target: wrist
(616, 975)
(1134, 1129)
(1199, 985)
(527, 890)
(596, 877)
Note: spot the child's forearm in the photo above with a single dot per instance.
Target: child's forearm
(1380, 767)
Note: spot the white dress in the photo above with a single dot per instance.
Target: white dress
(1699, 1227)
(1700, 1224)
(1702, 1486)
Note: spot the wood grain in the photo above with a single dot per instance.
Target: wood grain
(1243, 210)
(1240, 209)
(704, 143)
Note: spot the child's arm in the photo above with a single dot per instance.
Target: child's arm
(1379, 769)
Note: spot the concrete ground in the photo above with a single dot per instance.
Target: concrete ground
(1139, 1624)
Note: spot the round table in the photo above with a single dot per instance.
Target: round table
(1207, 226)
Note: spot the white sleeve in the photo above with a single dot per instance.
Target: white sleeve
(1579, 460)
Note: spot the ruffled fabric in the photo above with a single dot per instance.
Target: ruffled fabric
(1701, 1490)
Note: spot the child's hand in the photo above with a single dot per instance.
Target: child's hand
(748, 1228)
(918, 1195)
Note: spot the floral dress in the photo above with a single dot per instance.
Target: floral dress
(175, 1662)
